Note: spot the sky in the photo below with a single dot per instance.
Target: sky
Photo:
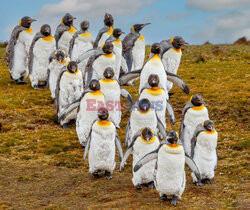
(197, 21)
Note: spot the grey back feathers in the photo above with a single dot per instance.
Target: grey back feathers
(10, 47)
(99, 35)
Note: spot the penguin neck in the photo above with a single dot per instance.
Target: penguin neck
(110, 55)
(210, 132)
(150, 141)
(107, 80)
(77, 71)
(85, 34)
(177, 50)
(117, 40)
(62, 61)
(144, 112)
(72, 29)
(97, 93)
(29, 31)
(198, 108)
(156, 56)
(110, 31)
(104, 123)
(48, 38)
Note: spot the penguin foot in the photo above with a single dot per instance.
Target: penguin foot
(108, 175)
(36, 87)
(65, 126)
(199, 184)
(138, 187)
(163, 198)
(95, 174)
(20, 82)
(170, 94)
(151, 185)
(206, 181)
(174, 200)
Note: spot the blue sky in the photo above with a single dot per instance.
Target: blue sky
(197, 21)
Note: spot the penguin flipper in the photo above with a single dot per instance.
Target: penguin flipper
(178, 82)
(191, 164)
(99, 35)
(127, 135)
(126, 94)
(48, 76)
(87, 146)
(170, 112)
(215, 167)
(59, 32)
(10, 47)
(124, 65)
(124, 79)
(119, 146)
(148, 157)
(88, 54)
(31, 54)
(57, 91)
(72, 42)
(161, 127)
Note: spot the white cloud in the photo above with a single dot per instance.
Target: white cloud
(177, 16)
(225, 28)
(214, 5)
(94, 8)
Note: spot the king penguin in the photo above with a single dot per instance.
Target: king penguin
(133, 47)
(112, 93)
(144, 141)
(80, 42)
(42, 46)
(17, 50)
(68, 89)
(105, 32)
(142, 115)
(64, 32)
(171, 55)
(57, 62)
(102, 141)
(158, 98)
(120, 61)
(170, 178)
(193, 114)
(204, 151)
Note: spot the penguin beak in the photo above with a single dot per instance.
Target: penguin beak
(73, 18)
(184, 43)
(31, 20)
(145, 25)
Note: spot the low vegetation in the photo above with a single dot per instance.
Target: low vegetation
(41, 164)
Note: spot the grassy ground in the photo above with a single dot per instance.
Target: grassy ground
(41, 164)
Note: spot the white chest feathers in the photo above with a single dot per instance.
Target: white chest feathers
(195, 116)
(207, 140)
(172, 60)
(64, 40)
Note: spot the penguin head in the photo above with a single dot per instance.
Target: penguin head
(172, 137)
(117, 33)
(84, 25)
(147, 133)
(72, 66)
(138, 27)
(153, 80)
(26, 21)
(177, 42)
(197, 100)
(144, 105)
(108, 73)
(94, 85)
(208, 125)
(107, 47)
(45, 30)
(103, 113)
(68, 19)
(156, 48)
(60, 55)
(108, 20)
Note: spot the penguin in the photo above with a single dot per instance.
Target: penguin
(80, 42)
(194, 113)
(68, 89)
(158, 99)
(204, 151)
(102, 141)
(87, 106)
(57, 62)
(170, 178)
(99, 60)
(133, 47)
(105, 32)
(120, 61)
(171, 55)
(41, 48)
(155, 64)
(143, 142)
(142, 115)
(64, 32)
(17, 50)
(112, 93)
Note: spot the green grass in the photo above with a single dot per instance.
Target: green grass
(41, 164)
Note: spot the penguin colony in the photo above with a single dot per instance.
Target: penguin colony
(85, 81)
